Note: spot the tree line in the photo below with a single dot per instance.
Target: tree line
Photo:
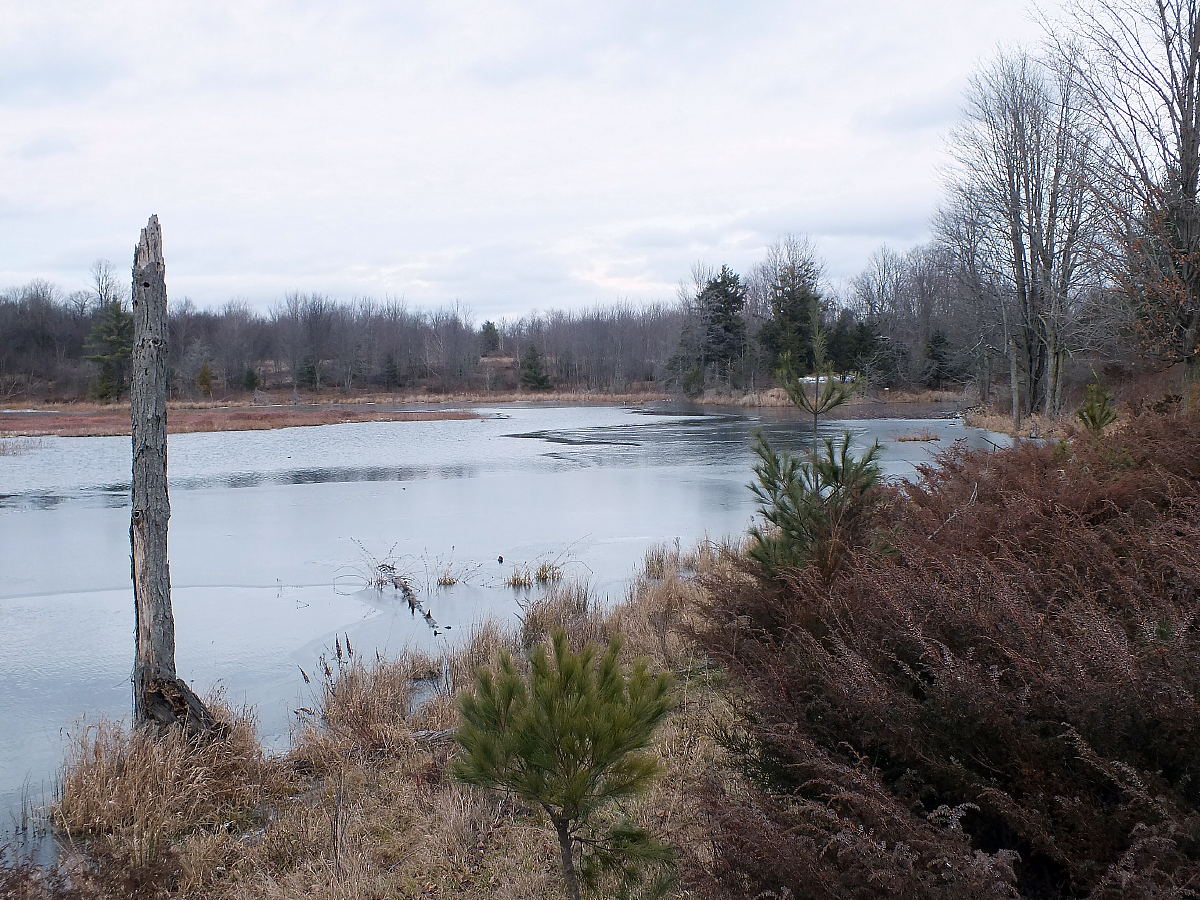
(1065, 249)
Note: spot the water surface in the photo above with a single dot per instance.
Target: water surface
(272, 531)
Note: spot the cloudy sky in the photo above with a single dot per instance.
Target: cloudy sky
(508, 155)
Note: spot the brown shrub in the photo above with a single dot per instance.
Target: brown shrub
(1002, 704)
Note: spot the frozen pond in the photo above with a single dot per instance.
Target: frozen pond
(270, 530)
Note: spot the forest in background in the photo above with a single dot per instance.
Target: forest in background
(1064, 251)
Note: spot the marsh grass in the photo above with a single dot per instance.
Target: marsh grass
(1034, 426)
(548, 572)
(919, 436)
(363, 805)
(141, 803)
(520, 578)
(181, 419)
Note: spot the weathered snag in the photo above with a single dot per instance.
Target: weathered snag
(160, 697)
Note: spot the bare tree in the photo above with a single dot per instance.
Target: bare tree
(160, 697)
(1024, 160)
(1137, 64)
(106, 288)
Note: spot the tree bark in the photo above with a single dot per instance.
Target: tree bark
(1014, 386)
(570, 878)
(160, 697)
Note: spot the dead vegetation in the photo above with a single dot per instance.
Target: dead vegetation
(363, 806)
(1033, 426)
(114, 420)
(919, 437)
(521, 578)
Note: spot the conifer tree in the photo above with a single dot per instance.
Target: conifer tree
(1097, 412)
(828, 390)
(205, 380)
(720, 305)
(489, 338)
(110, 346)
(567, 736)
(533, 375)
(938, 363)
(789, 329)
(818, 508)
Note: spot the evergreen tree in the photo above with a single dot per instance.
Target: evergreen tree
(939, 366)
(819, 508)
(391, 372)
(829, 391)
(489, 338)
(204, 379)
(309, 375)
(789, 329)
(533, 374)
(720, 305)
(1097, 412)
(250, 379)
(110, 346)
(567, 737)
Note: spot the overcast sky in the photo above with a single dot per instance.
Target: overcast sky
(509, 155)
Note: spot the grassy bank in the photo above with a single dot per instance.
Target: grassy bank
(363, 806)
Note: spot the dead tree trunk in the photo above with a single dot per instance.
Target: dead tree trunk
(160, 697)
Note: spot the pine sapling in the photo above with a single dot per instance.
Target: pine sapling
(819, 507)
(1097, 412)
(828, 390)
(568, 735)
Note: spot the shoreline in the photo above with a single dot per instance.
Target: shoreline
(114, 422)
(274, 411)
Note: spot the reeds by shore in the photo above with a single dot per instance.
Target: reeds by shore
(363, 805)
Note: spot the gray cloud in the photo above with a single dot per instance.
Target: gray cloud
(510, 155)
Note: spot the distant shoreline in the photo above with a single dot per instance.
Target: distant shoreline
(279, 410)
(114, 420)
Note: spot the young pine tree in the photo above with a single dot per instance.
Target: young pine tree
(828, 390)
(567, 736)
(820, 508)
(1097, 412)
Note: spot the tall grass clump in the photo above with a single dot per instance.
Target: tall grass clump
(364, 709)
(130, 795)
(1003, 704)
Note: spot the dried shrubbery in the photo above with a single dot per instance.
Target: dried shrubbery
(1003, 703)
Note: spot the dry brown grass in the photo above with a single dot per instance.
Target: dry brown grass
(520, 578)
(1035, 426)
(548, 572)
(920, 436)
(114, 420)
(364, 806)
(143, 805)
(772, 397)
